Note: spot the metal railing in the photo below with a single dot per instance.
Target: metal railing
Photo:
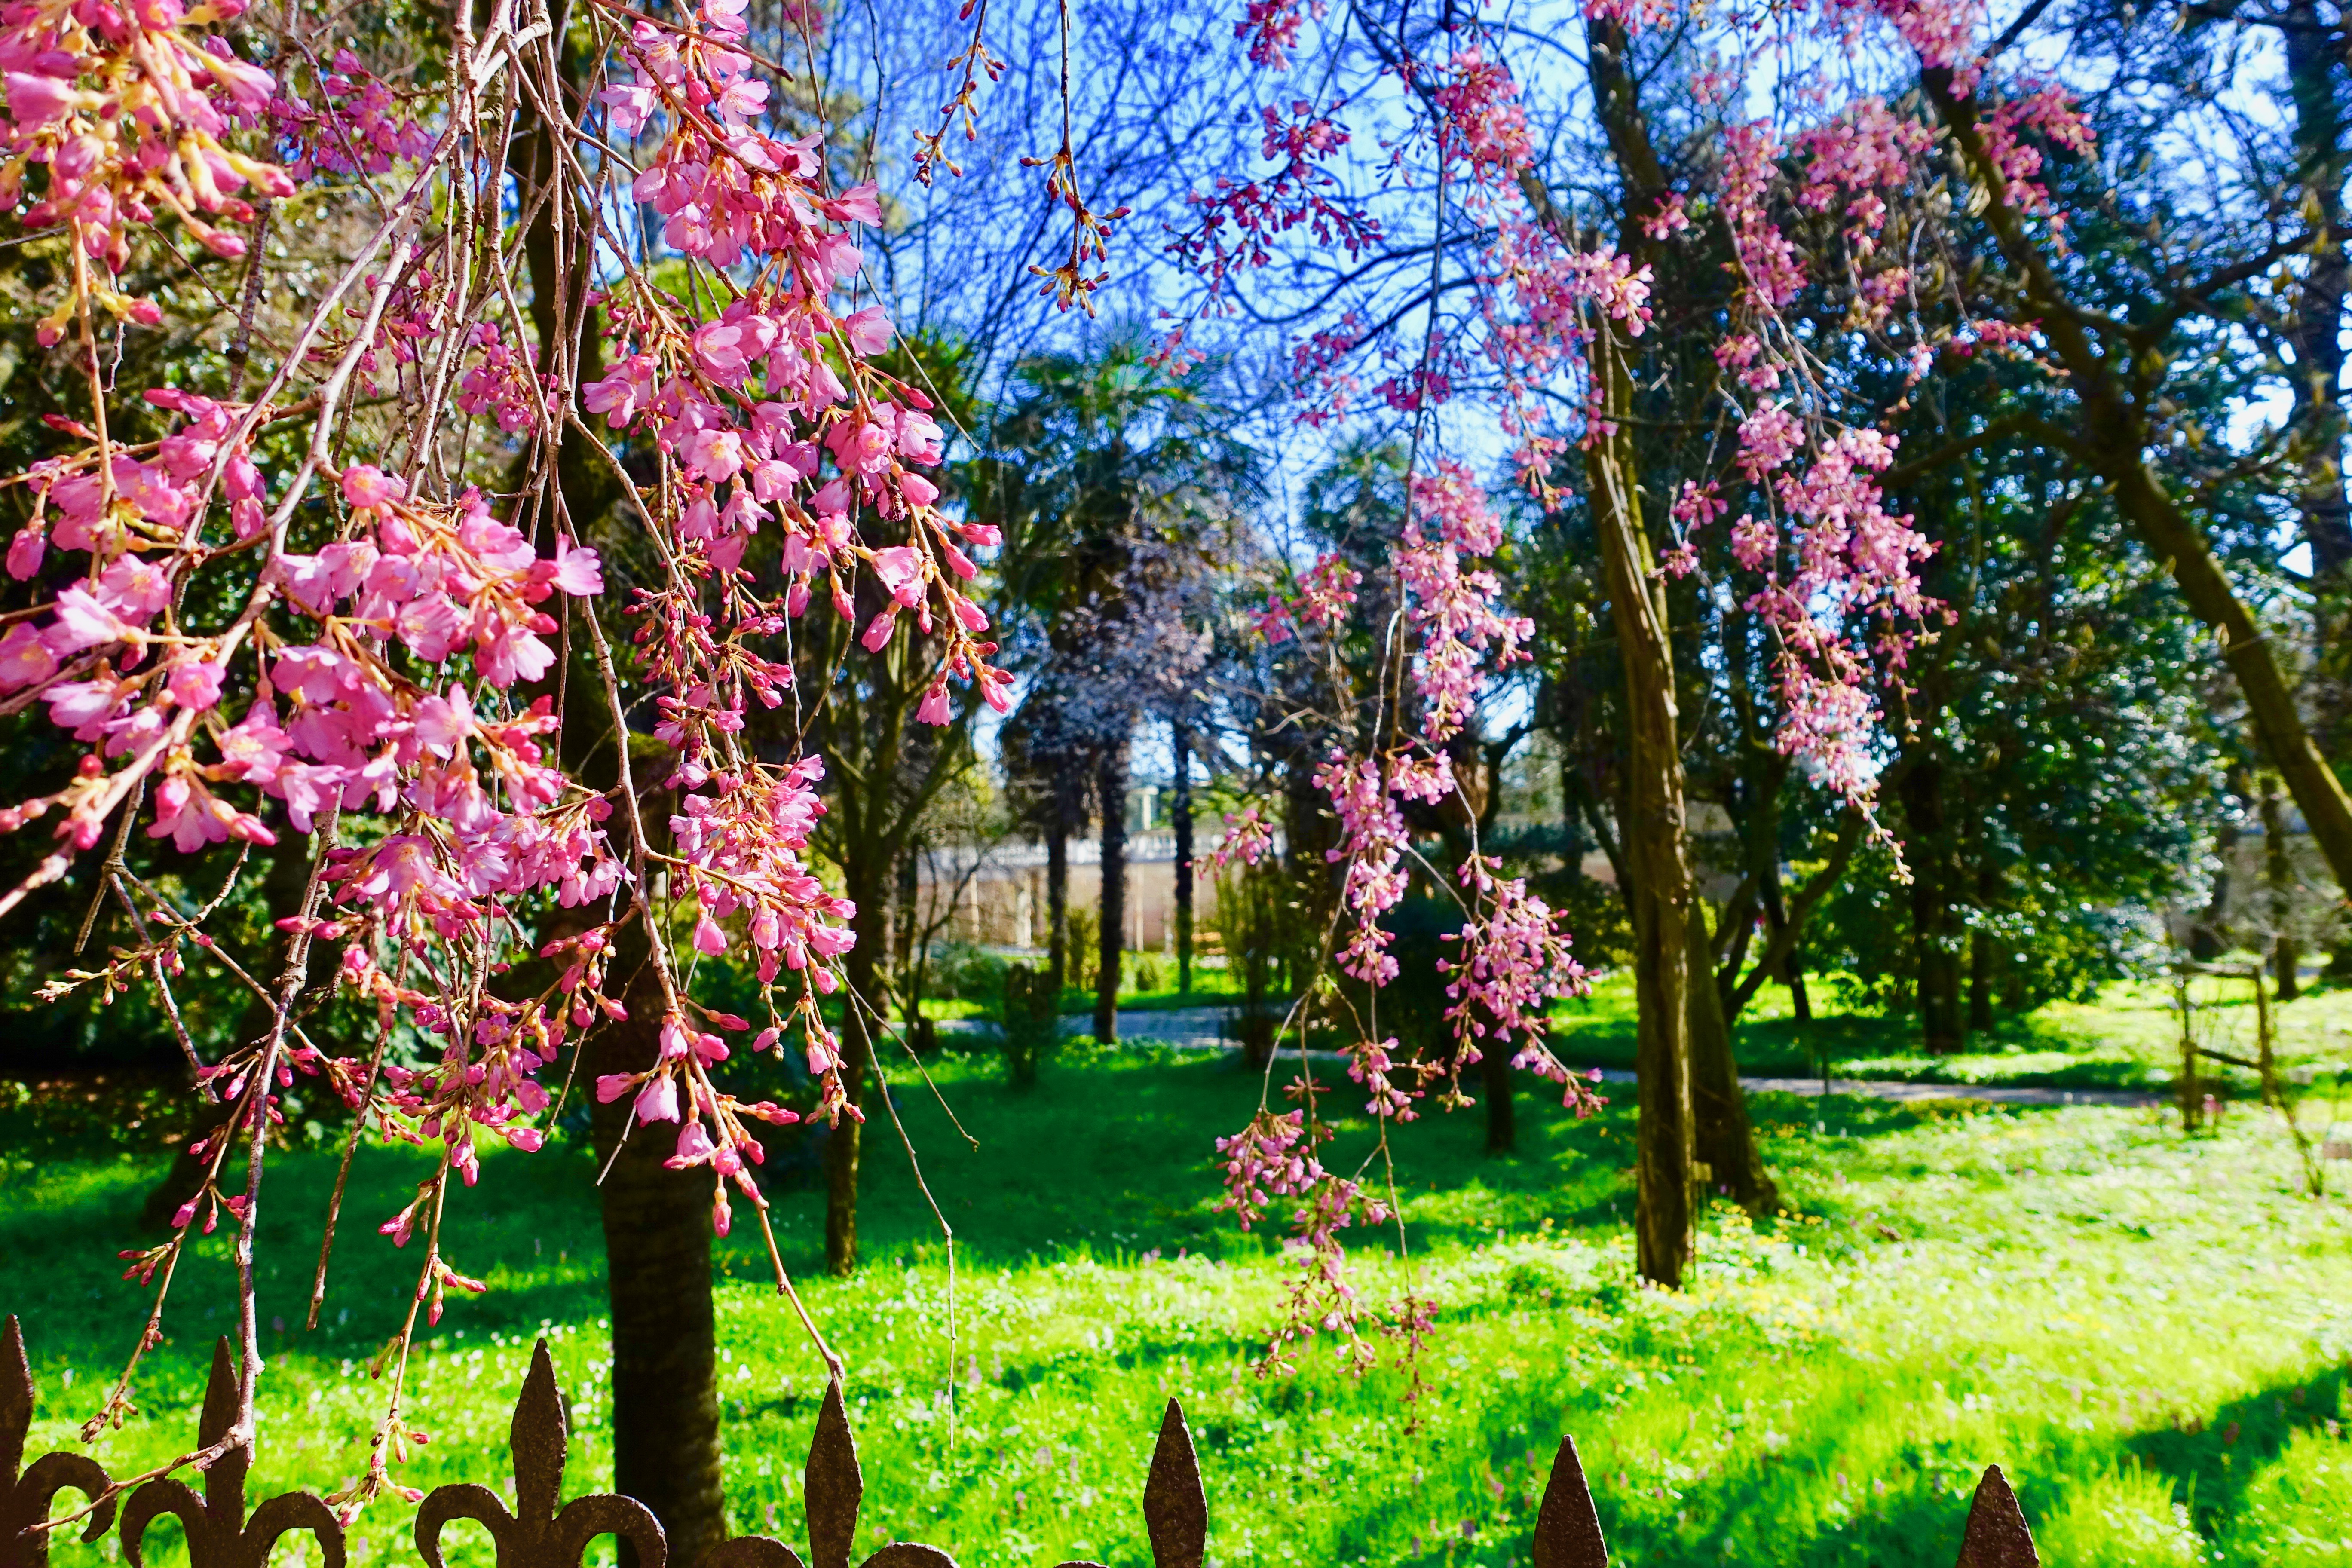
(543, 1531)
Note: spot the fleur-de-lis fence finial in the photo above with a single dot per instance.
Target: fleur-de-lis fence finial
(534, 1534)
(219, 1535)
(1997, 1536)
(25, 1495)
(832, 1488)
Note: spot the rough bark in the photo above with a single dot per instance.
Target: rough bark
(2313, 58)
(2112, 436)
(1654, 836)
(1179, 813)
(1057, 889)
(1725, 1139)
(2286, 954)
(665, 1446)
(1502, 1114)
(1935, 934)
(865, 885)
(1111, 784)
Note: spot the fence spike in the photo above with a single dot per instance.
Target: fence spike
(540, 1440)
(24, 1498)
(832, 1484)
(1567, 1529)
(1175, 1506)
(225, 1478)
(1997, 1536)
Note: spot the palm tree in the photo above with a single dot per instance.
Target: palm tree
(1120, 487)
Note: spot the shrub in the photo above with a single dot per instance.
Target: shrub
(1028, 1023)
(962, 972)
(1082, 929)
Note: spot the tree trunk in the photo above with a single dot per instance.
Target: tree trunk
(1935, 940)
(1725, 1140)
(1057, 891)
(1111, 784)
(563, 314)
(906, 899)
(2313, 58)
(1656, 874)
(1792, 961)
(1180, 817)
(1980, 962)
(2286, 954)
(1984, 954)
(1791, 965)
(665, 1448)
(865, 882)
(657, 1222)
(2113, 437)
(1653, 838)
(1502, 1115)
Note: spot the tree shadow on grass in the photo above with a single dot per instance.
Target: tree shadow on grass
(2214, 1461)
(537, 1243)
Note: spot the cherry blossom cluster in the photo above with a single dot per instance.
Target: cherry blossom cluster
(1271, 28)
(1237, 222)
(503, 384)
(746, 407)
(1513, 957)
(1270, 1162)
(679, 1089)
(1321, 602)
(1463, 634)
(1247, 839)
(1481, 125)
(392, 670)
(123, 110)
(359, 125)
(1509, 970)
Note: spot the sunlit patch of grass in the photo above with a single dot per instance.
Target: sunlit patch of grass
(2128, 1038)
(2079, 1295)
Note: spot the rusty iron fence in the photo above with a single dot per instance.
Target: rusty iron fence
(541, 1531)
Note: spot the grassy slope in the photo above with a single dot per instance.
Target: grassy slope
(2150, 1335)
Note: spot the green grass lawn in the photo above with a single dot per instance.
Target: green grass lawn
(2130, 1038)
(2152, 1335)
